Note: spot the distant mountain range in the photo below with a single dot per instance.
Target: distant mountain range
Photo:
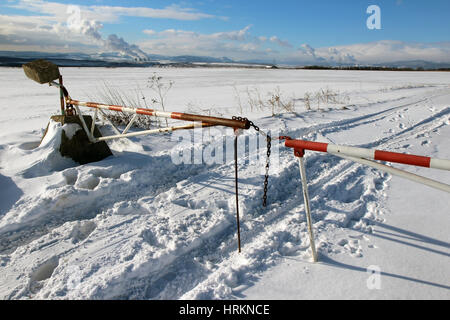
(18, 58)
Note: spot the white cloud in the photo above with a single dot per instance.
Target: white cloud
(392, 51)
(171, 12)
(379, 52)
(262, 39)
(149, 32)
(239, 35)
(281, 43)
(61, 24)
(112, 13)
(236, 44)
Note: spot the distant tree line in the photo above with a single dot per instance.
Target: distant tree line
(370, 68)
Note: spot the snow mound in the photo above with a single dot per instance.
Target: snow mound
(46, 158)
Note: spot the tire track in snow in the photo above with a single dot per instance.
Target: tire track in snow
(339, 125)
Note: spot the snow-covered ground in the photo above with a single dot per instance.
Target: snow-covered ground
(139, 226)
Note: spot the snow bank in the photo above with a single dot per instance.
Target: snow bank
(46, 158)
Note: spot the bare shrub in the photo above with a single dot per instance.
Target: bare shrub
(325, 97)
(255, 100)
(274, 101)
(111, 95)
(307, 100)
(161, 88)
(238, 99)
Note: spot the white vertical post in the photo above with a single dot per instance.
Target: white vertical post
(93, 122)
(129, 124)
(307, 208)
(83, 123)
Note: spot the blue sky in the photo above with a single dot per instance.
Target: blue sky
(285, 30)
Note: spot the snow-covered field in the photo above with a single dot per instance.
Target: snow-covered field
(138, 226)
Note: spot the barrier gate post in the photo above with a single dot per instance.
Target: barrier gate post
(300, 154)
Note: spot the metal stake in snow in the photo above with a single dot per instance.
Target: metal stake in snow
(300, 154)
(236, 132)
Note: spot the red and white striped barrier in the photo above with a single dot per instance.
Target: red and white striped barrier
(365, 157)
(370, 154)
(235, 124)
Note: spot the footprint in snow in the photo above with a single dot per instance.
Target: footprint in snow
(82, 230)
(71, 176)
(89, 182)
(41, 274)
(351, 246)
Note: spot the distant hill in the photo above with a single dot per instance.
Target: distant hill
(16, 59)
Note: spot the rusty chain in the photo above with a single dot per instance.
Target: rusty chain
(269, 151)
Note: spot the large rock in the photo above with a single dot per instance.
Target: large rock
(41, 71)
(78, 147)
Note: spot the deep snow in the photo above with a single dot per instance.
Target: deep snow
(138, 226)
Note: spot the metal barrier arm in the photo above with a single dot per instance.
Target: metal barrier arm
(370, 154)
(235, 124)
(400, 173)
(365, 156)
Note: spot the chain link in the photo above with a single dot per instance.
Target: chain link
(266, 179)
(269, 151)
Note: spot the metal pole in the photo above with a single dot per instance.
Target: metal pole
(237, 190)
(129, 124)
(170, 115)
(85, 128)
(400, 173)
(148, 132)
(370, 154)
(307, 207)
(93, 122)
